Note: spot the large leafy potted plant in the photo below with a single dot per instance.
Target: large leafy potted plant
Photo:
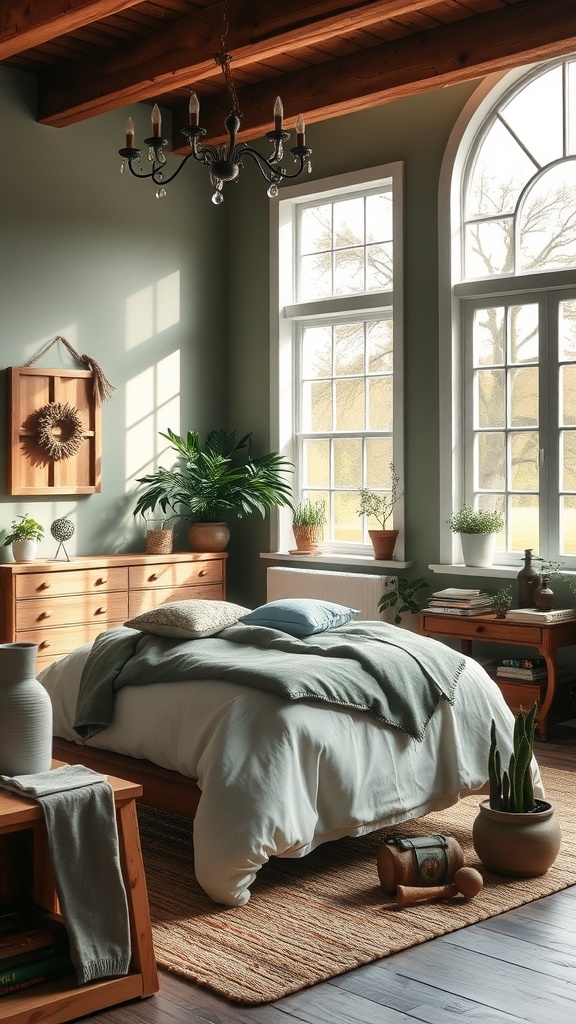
(379, 506)
(214, 480)
(515, 833)
(478, 529)
(402, 598)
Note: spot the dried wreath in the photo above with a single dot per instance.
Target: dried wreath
(65, 417)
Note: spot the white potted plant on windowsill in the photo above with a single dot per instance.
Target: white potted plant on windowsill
(478, 529)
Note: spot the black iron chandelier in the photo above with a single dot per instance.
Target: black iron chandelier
(223, 162)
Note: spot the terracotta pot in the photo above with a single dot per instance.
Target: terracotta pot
(308, 538)
(383, 542)
(208, 536)
(519, 845)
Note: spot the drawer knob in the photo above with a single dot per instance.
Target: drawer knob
(43, 586)
(44, 615)
(480, 629)
(152, 577)
(202, 572)
(45, 643)
(100, 611)
(100, 581)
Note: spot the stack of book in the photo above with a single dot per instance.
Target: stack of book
(454, 601)
(535, 615)
(528, 670)
(34, 948)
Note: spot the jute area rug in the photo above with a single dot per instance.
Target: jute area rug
(312, 918)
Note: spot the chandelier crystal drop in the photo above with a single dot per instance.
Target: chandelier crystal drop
(224, 162)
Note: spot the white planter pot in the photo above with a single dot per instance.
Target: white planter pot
(24, 550)
(478, 548)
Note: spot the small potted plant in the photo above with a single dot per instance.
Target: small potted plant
(515, 833)
(24, 535)
(502, 602)
(478, 529)
(308, 521)
(379, 506)
(402, 598)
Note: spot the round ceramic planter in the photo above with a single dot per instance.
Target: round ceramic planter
(208, 536)
(383, 543)
(478, 548)
(25, 713)
(518, 845)
(24, 550)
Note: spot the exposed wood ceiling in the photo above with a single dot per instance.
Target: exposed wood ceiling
(323, 57)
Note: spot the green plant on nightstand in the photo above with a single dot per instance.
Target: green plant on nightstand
(502, 602)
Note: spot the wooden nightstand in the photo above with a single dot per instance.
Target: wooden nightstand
(552, 695)
(62, 1000)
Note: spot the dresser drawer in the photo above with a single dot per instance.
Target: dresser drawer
(143, 600)
(66, 611)
(53, 643)
(487, 629)
(175, 574)
(77, 581)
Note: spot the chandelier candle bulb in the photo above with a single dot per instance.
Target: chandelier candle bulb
(129, 134)
(300, 131)
(156, 121)
(194, 110)
(278, 115)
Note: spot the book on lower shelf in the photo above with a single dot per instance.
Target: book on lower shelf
(535, 615)
(530, 675)
(34, 947)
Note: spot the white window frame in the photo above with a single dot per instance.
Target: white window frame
(453, 292)
(286, 316)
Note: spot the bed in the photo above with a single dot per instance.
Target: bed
(267, 773)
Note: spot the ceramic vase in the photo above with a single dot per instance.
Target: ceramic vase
(24, 550)
(518, 845)
(528, 580)
(25, 713)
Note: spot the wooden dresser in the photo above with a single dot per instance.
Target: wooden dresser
(60, 605)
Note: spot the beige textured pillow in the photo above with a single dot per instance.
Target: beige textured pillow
(188, 620)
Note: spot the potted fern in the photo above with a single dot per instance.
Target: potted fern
(515, 833)
(308, 522)
(478, 529)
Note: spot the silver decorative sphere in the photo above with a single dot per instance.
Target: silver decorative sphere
(62, 529)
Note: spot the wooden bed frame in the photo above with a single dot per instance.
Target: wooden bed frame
(164, 789)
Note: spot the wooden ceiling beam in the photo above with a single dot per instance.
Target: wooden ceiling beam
(182, 53)
(532, 30)
(25, 24)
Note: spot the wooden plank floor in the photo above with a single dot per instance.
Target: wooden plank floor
(518, 967)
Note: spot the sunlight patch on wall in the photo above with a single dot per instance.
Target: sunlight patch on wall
(152, 310)
(152, 405)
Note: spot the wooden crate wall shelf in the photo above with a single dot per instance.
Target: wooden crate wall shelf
(30, 471)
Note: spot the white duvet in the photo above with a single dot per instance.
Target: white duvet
(278, 778)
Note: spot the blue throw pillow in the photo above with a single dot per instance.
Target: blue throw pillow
(300, 616)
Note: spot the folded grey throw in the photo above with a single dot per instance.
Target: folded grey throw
(79, 811)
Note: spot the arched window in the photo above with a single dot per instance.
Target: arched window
(513, 311)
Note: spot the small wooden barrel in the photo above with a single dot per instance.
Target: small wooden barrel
(418, 860)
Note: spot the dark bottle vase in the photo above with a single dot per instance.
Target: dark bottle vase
(544, 596)
(528, 581)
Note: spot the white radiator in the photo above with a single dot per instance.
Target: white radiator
(355, 589)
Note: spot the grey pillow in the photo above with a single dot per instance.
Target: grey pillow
(188, 620)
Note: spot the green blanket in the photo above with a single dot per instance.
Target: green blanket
(395, 675)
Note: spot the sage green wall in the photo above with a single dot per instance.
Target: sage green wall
(135, 282)
(416, 131)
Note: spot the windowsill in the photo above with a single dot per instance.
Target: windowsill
(328, 558)
(494, 571)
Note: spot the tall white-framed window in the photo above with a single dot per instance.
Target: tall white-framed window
(336, 329)
(508, 314)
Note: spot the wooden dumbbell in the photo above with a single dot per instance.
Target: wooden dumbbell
(466, 882)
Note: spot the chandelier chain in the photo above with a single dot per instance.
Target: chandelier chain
(224, 60)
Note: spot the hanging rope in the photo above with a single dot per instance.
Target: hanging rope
(103, 389)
